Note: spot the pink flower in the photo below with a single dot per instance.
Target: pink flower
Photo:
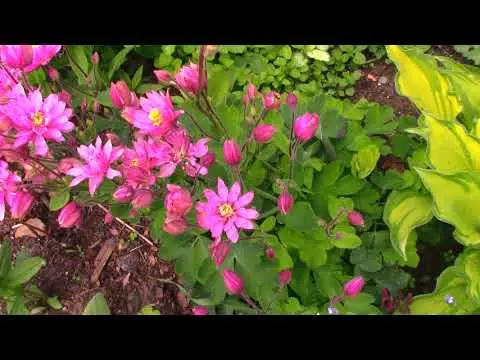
(66, 164)
(37, 120)
(354, 286)
(65, 96)
(98, 159)
(285, 202)
(42, 54)
(233, 282)
(285, 277)
(251, 92)
(178, 201)
(306, 126)
(123, 194)
(264, 133)
(270, 253)
(271, 100)
(226, 212)
(187, 79)
(175, 225)
(163, 76)
(8, 187)
(199, 310)
(121, 95)
(142, 199)
(157, 114)
(53, 74)
(232, 152)
(208, 159)
(219, 250)
(70, 215)
(16, 56)
(95, 58)
(355, 218)
(292, 101)
(179, 151)
(20, 204)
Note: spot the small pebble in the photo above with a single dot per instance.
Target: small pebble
(332, 310)
(449, 299)
(383, 80)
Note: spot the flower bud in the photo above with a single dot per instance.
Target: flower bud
(285, 202)
(114, 139)
(271, 100)
(292, 101)
(70, 215)
(96, 106)
(187, 79)
(354, 286)
(142, 199)
(270, 253)
(178, 201)
(284, 277)
(95, 58)
(84, 105)
(250, 93)
(120, 94)
(199, 310)
(66, 164)
(20, 204)
(123, 194)
(306, 126)
(65, 97)
(219, 251)
(108, 218)
(233, 282)
(264, 133)
(163, 76)
(355, 218)
(208, 159)
(53, 74)
(232, 153)
(175, 225)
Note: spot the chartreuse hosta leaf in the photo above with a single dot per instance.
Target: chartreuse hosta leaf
(450, 284)
(404, 211)
(468, 265)
(450, 148)
(420, 80)
(455, 199)
(364, 162)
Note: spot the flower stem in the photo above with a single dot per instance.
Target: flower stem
(268, 213)
(265, 194)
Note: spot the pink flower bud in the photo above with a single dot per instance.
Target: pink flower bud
(108, 218)
(20, 204)
(95, 58)
(306, 126)
(84, 105)
(264, 133)
(292, 101)
(120, 94)
(354, 286)
(53, 74)
(208, 159)
(355, 218)
(70, 215)
(199, 310)
(187, 79)
(232, 153)
(66, 164)
(250, 93)
(123, 194)
(163, 76)
(284, 277)
(115, 140)
(270, 253)
(285, 202)
(142, 199)
(65, 97)
(271, 100)
(175, 225)
(219, 251)
(245, 99)
(96, 106)
(178, 201)
(233, 282)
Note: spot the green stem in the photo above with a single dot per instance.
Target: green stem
(268, 213)
(265, 194)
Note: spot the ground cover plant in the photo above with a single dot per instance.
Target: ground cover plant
(247, 180)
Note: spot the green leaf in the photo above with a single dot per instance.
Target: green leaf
(360, 304)
(359, 58)
(282, 257)
(315, 163)
(256, 174)
(54, 303)
(37, 77)
(59, 199)
(349, 185)
(392, 278)
(291, 238)
(97, 306)
(18, 306)
(118, 60)
(335, 205)
(318, 54)
(454, 197)
(380, 120)
(268, 224)
(328, 176)
(149, 310)
(220, 84)
(23, 271)
(347, 240)
(404, 211)
(364, 162)
(5, 259)
(301, 217)
(468, 264)
(137, 77)
(79, 55)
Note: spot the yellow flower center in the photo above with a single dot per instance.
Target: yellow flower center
(134, 162)
(225, 210)
(37, 118)
(156, 117)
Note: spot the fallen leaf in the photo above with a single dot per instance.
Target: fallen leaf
(36, 229)
(371, 77)
(102, 258)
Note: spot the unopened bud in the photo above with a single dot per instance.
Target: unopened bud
(95, 58)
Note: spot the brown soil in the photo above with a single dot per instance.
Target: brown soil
(128, 280)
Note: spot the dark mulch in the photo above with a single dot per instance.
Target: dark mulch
(128, 280)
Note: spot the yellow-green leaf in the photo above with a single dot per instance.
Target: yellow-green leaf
(420, 80)
(468, 264)
(450, 148)
(404, 211)
(364, 162)
(455, 199)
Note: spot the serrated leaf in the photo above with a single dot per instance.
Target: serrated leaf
(301, 217)
(364, 162)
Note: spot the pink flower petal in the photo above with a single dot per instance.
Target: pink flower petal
(243, 223)
(232, 232)
(217, 229)
(247, 213)
(234, 193)
(222, 190)
(41, 147)
(167, 169)
(244, 200)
